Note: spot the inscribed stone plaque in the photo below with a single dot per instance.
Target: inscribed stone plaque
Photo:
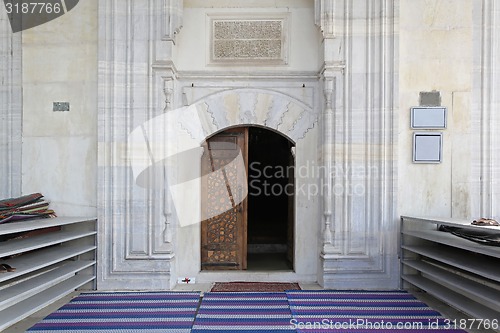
(248, 40)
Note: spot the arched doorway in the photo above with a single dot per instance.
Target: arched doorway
(255, 231)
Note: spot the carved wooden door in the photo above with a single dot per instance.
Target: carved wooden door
(224, 231)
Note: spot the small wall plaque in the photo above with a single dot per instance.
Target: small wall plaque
(428, 117)
(60, 106)
(427, 147)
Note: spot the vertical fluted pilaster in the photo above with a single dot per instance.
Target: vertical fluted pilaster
(328, 124)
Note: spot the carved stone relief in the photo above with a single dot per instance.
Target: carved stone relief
(255, 107)
(242, 40)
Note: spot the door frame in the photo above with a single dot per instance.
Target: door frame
(244, 129)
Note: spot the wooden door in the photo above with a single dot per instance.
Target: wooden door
(224, 232)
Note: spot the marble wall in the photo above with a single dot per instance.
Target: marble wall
(359, 65)
(10, 109)
(341, 62)
(436, 53)
(60, 148)
(456, 56)
(160, 71)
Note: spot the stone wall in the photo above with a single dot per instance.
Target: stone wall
(59, 64)
(147, 71)
(10, 109)
(436, 55)
(361, 65)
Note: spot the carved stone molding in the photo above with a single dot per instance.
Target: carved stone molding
(324, 17)
(167, 209)
(328, 128)
(247, 106)
(169, 19)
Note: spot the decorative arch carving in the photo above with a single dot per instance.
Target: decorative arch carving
(257, 107)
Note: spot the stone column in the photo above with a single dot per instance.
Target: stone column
(332, 68)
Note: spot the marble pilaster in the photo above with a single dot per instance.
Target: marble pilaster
(360, 221)
(485, 103)
(135, 84)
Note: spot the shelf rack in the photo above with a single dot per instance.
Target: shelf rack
(459, 272)
(52, 256)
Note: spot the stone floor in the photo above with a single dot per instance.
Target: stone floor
(443, 308)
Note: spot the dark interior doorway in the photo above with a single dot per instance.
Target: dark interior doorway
(256, 232)
(270, 201)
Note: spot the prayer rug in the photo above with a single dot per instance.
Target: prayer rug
(316, 311)
(138, 312)
(254, 286)
(246, 312)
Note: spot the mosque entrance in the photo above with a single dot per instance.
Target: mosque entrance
(256, 231)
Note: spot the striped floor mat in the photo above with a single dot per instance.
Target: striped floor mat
(311, 311)
(252, 312)
(138, 312)
(363, 311)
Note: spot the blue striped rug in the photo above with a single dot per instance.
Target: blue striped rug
(137, 312)
(251, 312)
(311, 311)
(321, 311)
